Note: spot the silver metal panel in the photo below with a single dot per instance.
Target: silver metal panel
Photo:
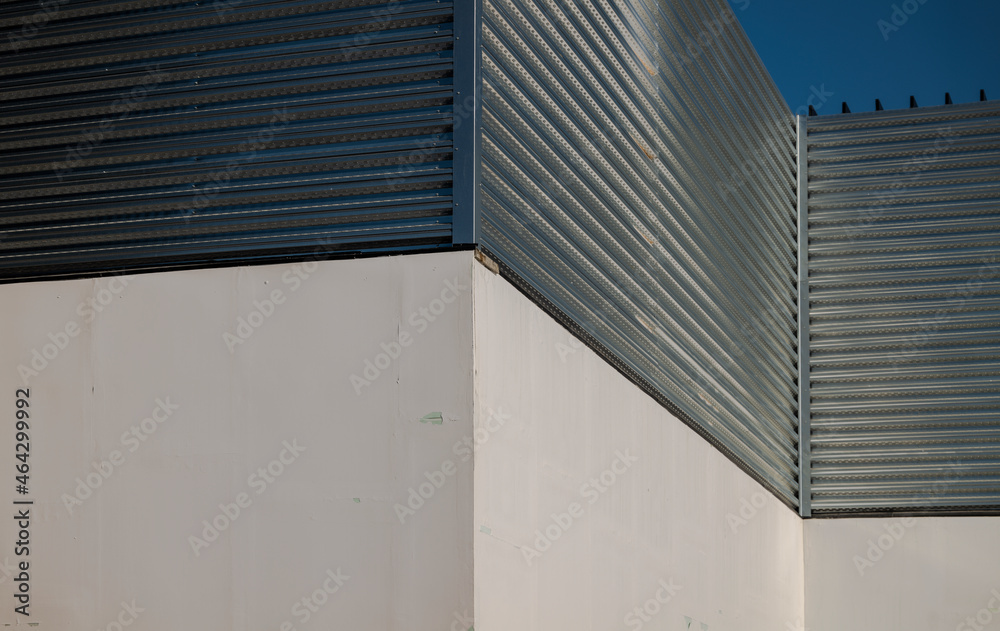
(805, 396)
(904, 211)
(147, 134)
(639, 172)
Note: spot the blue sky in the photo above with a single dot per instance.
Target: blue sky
(925, 49)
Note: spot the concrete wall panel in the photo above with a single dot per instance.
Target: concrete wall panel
(919, 574)
(220, 408)
(592, 500)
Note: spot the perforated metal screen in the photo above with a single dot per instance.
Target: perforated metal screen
(904, 275)
(638, 170)
(139, 135)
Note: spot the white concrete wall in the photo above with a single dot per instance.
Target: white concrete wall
(550, 417)
(918, 574)
(233, 408)
(156, 398)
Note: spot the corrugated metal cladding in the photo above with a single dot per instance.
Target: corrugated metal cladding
(140, 134)
(639, 171)
(904, 229)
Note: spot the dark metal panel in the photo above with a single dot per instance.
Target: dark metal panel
(904, 210)
(468, 121)
(144, 134)
(639, 171)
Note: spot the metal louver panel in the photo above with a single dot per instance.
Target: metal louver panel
(904, 259)
(145, 134)
(638, 172)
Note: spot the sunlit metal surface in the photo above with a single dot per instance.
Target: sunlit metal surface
(904, 261)
(639, 171)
